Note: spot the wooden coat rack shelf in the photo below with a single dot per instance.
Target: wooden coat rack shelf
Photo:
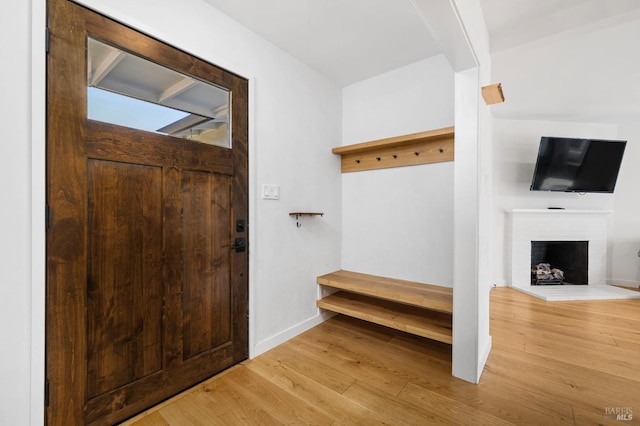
(432, 146)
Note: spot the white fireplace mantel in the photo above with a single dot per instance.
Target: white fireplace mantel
(526, 225)
(559, 211)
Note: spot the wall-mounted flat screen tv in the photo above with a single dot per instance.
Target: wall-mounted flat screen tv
(577, 165)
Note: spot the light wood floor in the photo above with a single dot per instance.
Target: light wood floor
(552, 363)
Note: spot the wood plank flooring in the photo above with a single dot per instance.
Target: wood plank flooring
(552, 363)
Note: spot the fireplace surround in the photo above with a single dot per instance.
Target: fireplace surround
(556, 225)
(527, 225)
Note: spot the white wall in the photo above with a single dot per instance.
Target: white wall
(295, 121)
(399, 222)
(573, 75)
(15, 216)
(625, 236)
(515, 151)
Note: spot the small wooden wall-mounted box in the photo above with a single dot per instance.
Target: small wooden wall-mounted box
(492, 94)
(432, 146)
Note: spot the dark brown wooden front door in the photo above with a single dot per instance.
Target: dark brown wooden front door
(146, 293)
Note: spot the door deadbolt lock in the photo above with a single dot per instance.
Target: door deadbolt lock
(240, 245)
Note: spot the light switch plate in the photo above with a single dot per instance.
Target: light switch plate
(270, 192)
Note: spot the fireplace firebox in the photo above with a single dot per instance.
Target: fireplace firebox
(570, 257)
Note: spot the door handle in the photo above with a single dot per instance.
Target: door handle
(240, 245)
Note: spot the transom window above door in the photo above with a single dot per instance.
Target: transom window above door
(127, 90)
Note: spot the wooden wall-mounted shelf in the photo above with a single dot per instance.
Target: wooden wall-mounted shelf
(298, 214)
(432, 146)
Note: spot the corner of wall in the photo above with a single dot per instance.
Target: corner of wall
(283, 336)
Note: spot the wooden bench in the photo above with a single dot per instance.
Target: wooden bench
(421, 309)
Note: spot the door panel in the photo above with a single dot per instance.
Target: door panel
(206, 297)
(124, 292)
(145, 294)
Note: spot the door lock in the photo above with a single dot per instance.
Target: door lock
(240, 245)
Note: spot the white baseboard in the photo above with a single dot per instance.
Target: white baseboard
(290, 333)
(623, 283)
(483, 357)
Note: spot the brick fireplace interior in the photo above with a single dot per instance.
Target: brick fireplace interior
(571, 257)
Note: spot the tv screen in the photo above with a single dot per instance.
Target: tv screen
(577, 165)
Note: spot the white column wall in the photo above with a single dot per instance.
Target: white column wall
(466, 282)
(473, 199)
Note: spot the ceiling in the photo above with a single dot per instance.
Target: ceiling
(346, 40)
(352, 40)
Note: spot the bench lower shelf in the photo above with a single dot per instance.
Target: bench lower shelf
(411, 319)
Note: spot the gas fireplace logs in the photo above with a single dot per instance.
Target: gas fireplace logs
(544, 274)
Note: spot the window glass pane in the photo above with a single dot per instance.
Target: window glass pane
(130, 91)
(114, 108)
